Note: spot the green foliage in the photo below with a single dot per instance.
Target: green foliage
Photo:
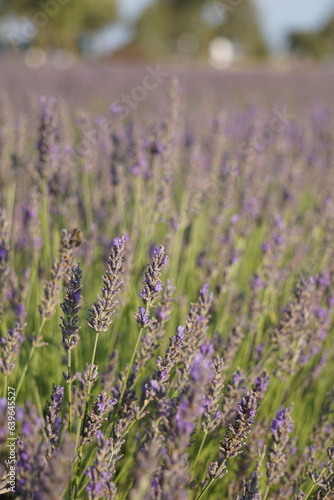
(317, 45)
(64, 21)
(166, 20)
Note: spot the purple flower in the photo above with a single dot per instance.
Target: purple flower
(261, 383)
(304, 358)
(265, 247)
(11, 346)
(235, 219)
(324, 279)
(201, 368)
(3, 254)
(100, 484)
(281, 427)
(181, 331)
(160, 314)
(331, 301)
(278, 240)
(58, 396)
(158, 287)
(206, 349)
(100, 404)
(252, 207)
(252, 413)
(234, 258)
(257, 283)
(278, 421)
(52, 419)
(321, 313)
(233, 440)
(183, 426)
(154, 385)
(71, 307)
(278, 221)
(282, 419)
(21, 312)
(152, 283)
(205, 295)
(94, 420)
(102, 311)
(322, 334)
(142, 317)
(118, 242)
(27, 426)
(238, 379)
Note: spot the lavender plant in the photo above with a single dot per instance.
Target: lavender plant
(185, 391)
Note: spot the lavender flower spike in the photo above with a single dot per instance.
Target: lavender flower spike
(235, 438)
(4, 237)
(4, 254)
(142, 317)
(10, 348)
(47, 141)
(60, 270)
(70, 307)
(152, 284)
(100, 474)
(94, 421)
(103, 309)
(251, 490)
(52, 419)
(212, 415)
(175, 475)
(281, 428)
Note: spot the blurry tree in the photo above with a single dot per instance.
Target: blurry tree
(166, 21)
(317, 45)
(60, 23)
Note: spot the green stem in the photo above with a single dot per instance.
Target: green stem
(262, 359)
(11, 204)
(5, 387)
(74, 484)
(77, 437)
(38, 399)
(266, 492)
(177, 244)
(204, 489)
(91, 366)
(200, 448)
(130, 367)
(45, 224)
(310, 491)
(315, 484)
(19, 385)
(87, 200)
(77, 448)
(69, 390)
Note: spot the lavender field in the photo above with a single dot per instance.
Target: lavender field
(166, 284)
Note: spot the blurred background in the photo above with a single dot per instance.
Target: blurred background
(220, 33)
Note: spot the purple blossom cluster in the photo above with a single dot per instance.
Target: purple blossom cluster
(102, 310)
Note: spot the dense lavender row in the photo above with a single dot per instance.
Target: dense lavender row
(199, 366)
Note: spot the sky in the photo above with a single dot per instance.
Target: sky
(278, 17)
